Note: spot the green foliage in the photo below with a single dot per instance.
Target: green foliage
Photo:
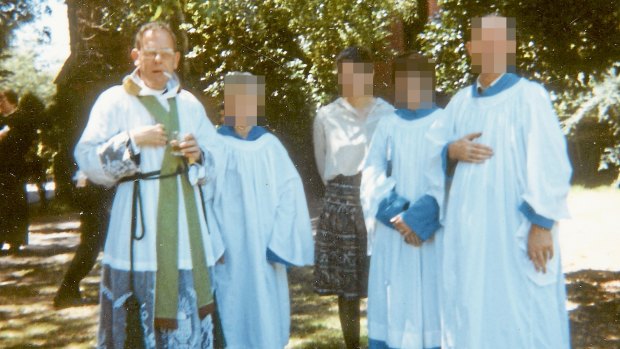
(572, 47)
(600, 100)
(22, 76)
(293, 43)
(557, 40)
(12, 14)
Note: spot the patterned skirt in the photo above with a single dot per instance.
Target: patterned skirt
(341, 263)
(192, 332)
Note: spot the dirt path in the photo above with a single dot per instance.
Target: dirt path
(28, 282)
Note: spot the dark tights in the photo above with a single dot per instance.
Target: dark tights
(349, 310)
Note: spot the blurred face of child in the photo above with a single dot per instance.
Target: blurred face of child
(244, 100)
(355, 79)
(414, 90)
(493, 45)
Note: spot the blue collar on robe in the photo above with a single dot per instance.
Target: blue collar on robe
(253, 135)
(505, 82)
(411, 115)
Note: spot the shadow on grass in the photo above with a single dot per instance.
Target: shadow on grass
(314, 319)
(595, 322)
(28, 283)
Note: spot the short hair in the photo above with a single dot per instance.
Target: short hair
(244, 78)
(354, 54)
(10, 96)
(511, 32)
(414, 61)
(154, 26)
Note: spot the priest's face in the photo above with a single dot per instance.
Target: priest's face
(355, 79)
(493, 45)
(414, 90)
(244, 100)
(157, 59)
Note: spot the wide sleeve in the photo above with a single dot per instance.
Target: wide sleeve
(290, 241)
(439, 135)
(204, 175)
(376, 185)
(214, 238)
(423, 217)
(548, 169)
(104, 152)
(212, 187)
(205, 134)
(320, 144)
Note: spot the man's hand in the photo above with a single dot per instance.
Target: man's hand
(403, 229)
(540, 247)
(150, 136)
(466, 150)
(190, 149)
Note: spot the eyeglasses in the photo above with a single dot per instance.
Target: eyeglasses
(151, 53)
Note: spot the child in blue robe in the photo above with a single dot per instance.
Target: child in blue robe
(402, 216)
(260, 209)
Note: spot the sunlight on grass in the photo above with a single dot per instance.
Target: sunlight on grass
(81, 346)
(589, 243)
(314, 319)
(48, 290)
(21, 273)
(40, 329)
(590, 238)
(10, 334)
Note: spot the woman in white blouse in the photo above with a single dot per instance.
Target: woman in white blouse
(342, 133)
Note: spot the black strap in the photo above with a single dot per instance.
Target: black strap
(136, 208)
(204, 208)
(147, 176)
(136, 205)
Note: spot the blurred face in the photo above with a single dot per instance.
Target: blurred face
(489, 48)
(157, 59)
(244, 103)
(414, 90)
(355, 79)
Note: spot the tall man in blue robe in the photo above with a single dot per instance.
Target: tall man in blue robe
(503, 285)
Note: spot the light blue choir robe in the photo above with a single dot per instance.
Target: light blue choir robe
(260, 209)
(492, 296)
(403, 307)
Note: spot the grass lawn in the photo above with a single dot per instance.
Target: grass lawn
(589, 243)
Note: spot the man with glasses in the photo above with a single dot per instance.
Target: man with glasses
(158, 246)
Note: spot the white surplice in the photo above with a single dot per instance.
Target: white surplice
(103, 154)
(259, 205)
(403, 308)
(492, 297)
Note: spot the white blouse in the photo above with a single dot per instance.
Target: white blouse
(342, 136)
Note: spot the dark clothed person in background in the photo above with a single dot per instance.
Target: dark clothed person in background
(94, 202)
(16, 136)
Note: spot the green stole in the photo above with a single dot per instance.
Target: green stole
(167, 278)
